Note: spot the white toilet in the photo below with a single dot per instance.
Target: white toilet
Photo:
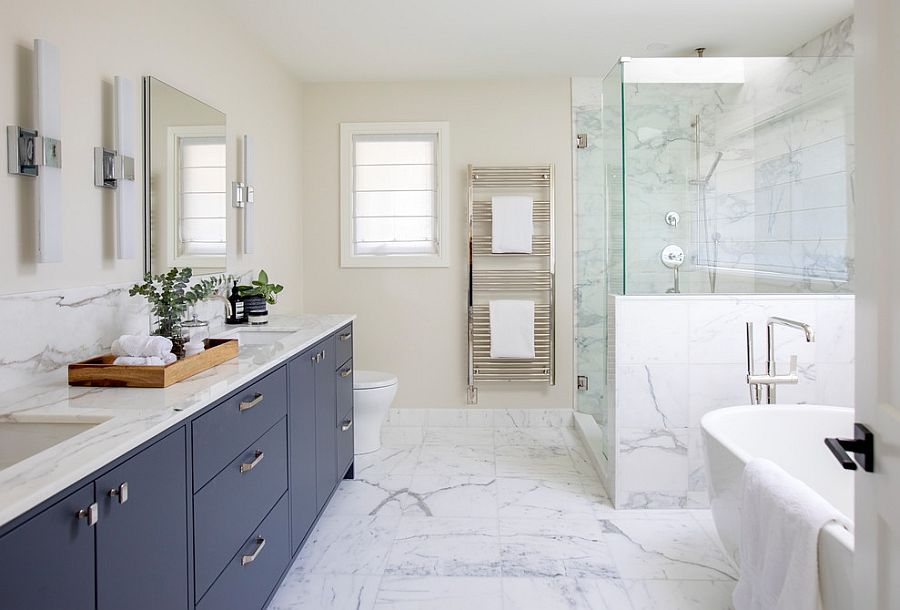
(373, 393)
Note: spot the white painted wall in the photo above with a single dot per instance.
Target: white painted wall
(413, 321)
(188, 45)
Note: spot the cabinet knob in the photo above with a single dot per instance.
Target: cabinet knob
(346, 336)
(91, 514)
(121, 492)
(251, 403)
(260, 544)
(248, 466)
(348, 423)
(346, 372)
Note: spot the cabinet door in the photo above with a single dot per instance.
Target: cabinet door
(48, 561)
(302, 443)
(326, 431)
(142, 540)
(344, 383)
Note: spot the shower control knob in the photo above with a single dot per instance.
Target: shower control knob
(673, 218)
(672, 256)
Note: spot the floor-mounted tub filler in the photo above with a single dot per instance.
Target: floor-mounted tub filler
(792, 436)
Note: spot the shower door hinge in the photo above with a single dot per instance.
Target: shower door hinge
(581, 140)
(582, 382)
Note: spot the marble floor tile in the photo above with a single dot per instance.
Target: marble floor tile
(677, 549)
(455, 436)
(386, 496)
(681, 594)
(443, 546)
(514, 517)
(439, 593)
(342, 544)
(535, 462)
(529, 437)
(451, 496)
(387, 461)
(460, 461)
(555, 547)
(541, 499)
(332, 591)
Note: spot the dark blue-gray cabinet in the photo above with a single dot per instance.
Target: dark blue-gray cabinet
(110, 543)
(326, 439)
(208, 514)
(302, 463)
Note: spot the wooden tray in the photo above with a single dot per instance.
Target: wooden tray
(101, 372)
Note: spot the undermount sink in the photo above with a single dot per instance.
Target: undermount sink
(258, 336)
(22, 439)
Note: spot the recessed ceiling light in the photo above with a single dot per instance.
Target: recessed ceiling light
(657, 47)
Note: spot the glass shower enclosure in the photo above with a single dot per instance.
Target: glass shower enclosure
(708, 175)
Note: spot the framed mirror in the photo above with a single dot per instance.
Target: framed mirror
(185, 188)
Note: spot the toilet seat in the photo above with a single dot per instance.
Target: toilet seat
(369, 380)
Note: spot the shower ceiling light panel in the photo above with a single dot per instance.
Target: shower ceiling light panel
(683, 70)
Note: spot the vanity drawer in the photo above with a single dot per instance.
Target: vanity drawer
(343, 345)
(254, 571)
(344, 389)
(235, 501)
(218, 436)
(345, 442)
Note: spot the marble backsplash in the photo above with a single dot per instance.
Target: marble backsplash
(45, 331)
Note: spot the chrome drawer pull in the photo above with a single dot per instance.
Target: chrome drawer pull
(260, 544)
(249, 405)
(248, 466)
(346, 372)
(91, 513)
(121, 491)
(346, 336)
(346, 425)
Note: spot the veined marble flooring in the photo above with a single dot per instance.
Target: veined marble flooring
(498, 518)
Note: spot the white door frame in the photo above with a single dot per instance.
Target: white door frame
(877, 183)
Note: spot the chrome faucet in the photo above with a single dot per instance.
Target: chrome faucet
(771, 378)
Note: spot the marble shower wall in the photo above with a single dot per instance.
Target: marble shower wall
(45, 331)
(677, 358)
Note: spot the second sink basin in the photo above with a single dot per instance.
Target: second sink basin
(258, 336)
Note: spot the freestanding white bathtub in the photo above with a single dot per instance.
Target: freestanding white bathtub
(792, 436)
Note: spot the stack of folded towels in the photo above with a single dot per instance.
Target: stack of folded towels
(140, 350)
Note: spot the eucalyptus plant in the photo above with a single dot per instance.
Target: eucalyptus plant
(170, 295)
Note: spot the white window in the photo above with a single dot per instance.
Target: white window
(394, 203)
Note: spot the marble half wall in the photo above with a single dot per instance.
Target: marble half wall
(679, 357)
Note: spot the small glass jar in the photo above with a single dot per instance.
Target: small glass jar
(195, 333)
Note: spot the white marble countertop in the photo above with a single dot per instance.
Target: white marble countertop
(130, 416)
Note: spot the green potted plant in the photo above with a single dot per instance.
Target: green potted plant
(170, 296)
(257, 296)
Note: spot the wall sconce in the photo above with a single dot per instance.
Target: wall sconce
(114, 169)
(38, 152)
(242, 195)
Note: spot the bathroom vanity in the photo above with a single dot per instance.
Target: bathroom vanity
(195, 496)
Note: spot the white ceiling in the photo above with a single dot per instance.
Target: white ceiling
(385, 40)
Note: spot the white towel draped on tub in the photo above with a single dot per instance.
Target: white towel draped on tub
(512, 224)
(512, 329)
(781, 518)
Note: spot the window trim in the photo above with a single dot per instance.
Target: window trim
(442, 195)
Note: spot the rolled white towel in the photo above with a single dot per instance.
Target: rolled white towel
(142, 346)
(146, 360)
(193, 348)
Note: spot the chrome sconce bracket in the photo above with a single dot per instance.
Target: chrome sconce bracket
(28, 151)
(110, 167)
(241, 194)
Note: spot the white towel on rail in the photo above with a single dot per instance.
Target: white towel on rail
(512, 224)
(781, 518)
(512, 329)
